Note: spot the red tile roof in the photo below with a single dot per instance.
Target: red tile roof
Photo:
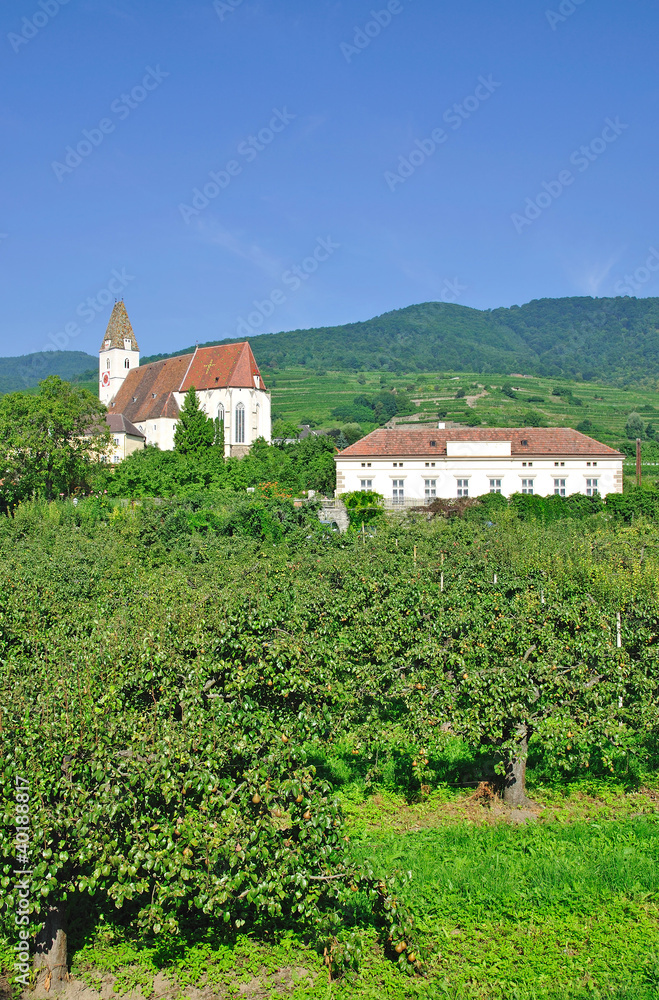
(147, 392)
(216, 367)
(539, 441)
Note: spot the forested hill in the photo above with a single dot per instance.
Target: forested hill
(17, 374)
(606, 340)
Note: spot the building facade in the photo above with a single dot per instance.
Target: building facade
(420, 465)
(226, 379)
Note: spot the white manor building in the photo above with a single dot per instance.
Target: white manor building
(144, 402)
(421, 465)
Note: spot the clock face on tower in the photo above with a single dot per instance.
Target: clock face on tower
(105, 381)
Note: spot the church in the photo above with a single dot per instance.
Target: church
(144, 401)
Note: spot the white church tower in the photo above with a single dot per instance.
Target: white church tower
(119, 353)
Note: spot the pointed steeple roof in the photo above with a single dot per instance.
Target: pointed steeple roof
(119, 330)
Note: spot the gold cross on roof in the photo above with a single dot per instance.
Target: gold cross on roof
(209, 366)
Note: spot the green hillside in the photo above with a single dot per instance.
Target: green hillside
(611, 341)
(19, 374)
(606, 340)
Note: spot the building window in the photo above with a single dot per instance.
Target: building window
(127, 363)
(399, 490)
(592, 487)
(495, 486)
(107, 364)
(430, 488)
(116, 441)
(366, 484)
(463, 487)
(527, 486)
(398, 465)
(240, 424)
(220, 413)
(559, 487)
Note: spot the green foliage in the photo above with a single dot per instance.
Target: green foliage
(307, 465)
(195, 432)
(634, 428)
(365, 507)
(26, 371)
(377, 409)
(614, 340)
(180, 696)
(50, 442)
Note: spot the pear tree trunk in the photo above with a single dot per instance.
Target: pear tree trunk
(50, 958)
(514, 781)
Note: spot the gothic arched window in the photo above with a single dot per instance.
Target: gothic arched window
(127, 363)
(220, 413)
(240, 424)
(107, 365)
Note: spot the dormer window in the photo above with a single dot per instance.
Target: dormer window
(525, 444)
(257, 382)
(127, 344)
(106, 345)
(433, 444)
(153, 395)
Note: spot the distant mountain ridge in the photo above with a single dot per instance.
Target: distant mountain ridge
(613, 340)
(26, 371)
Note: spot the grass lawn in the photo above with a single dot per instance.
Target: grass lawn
(564, 905)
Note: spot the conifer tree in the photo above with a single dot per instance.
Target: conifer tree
(218, 441)
(195, 432)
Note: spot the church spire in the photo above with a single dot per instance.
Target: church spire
(119, 330)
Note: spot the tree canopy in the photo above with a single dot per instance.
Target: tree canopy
(195, 432)
(50, 442)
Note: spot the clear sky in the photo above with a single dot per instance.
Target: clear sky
(365, 157)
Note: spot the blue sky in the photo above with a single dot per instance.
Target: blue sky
(321, 121)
